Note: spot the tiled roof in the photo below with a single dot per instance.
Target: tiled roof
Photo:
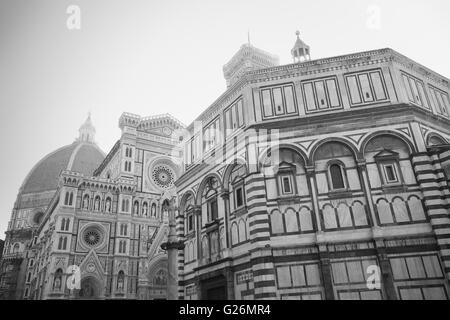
(79, 157)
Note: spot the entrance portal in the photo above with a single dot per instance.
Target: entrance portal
(214, 289)
(90, 289)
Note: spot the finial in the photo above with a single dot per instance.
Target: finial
(298, 34)
(87, 130)
(248, 36)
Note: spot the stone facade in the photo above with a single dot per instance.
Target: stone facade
(109, 225)
(325, 179)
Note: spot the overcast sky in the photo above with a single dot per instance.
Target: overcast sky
(151, 57)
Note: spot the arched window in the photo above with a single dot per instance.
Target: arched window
(153, 213)
(210, 199)
(62, 243)
(122, 246)
(236, 185)
(436, 141)
(57, 282)
(63, 224)
(120, 280)
(336, 177)
(71, 199)
(67, 224)
(338, 160)
(123, 229)
(125, 205)
(188, 208)
(66, 199)
(16, 248)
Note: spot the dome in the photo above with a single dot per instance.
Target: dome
(82, 157)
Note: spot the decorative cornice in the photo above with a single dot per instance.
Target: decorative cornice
(314, 67)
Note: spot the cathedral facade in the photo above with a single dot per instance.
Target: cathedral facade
(90, 226)
(321, 179)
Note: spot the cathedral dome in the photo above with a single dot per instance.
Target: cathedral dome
(83, 156)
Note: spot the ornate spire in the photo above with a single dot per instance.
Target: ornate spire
(300, 51)
(87, 131)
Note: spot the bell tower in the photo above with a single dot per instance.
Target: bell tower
(300, 52)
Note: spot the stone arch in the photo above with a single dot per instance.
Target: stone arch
(436, 137)
(157, 275)
(366, 140)
(185, 198)
(198, 199)
(229, 169)
(263, 156)
(356, 154)
(91, 288)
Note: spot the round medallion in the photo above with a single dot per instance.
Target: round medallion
(167, 131)
(90, 267)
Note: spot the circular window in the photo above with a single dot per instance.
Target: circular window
(163, 176)
(92, 236)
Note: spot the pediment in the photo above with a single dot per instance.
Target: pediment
(91, 265)
(386, 153)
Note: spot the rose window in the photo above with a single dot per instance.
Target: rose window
(92, 237)
(163, 176)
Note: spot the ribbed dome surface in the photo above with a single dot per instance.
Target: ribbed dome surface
(81, 157)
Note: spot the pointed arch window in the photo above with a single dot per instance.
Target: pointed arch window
(122, 246)
(123, 229)
(62, 243)
(125, 205)
(16, 248)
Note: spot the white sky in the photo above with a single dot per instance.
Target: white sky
(150, 57)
